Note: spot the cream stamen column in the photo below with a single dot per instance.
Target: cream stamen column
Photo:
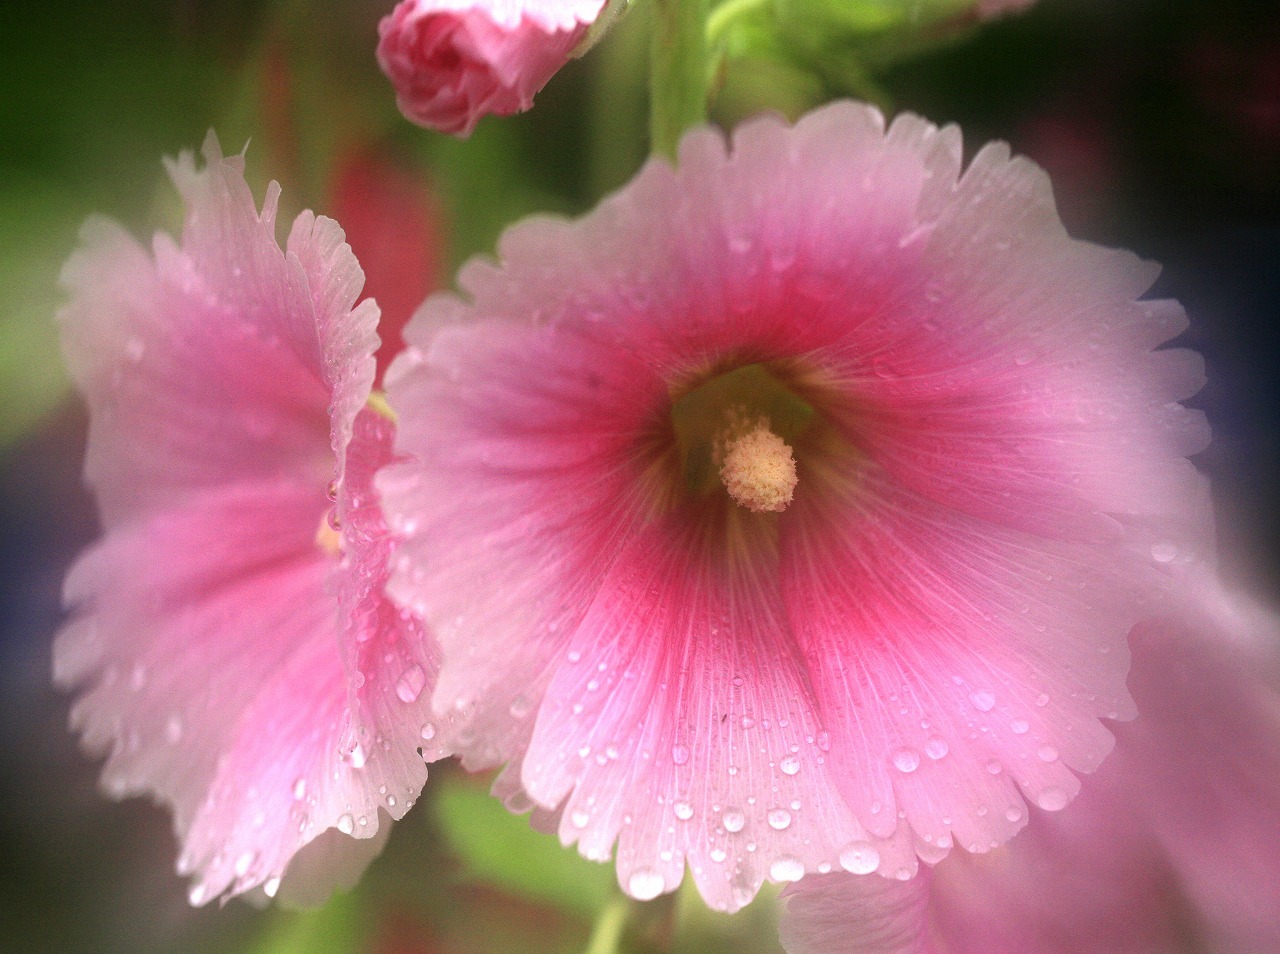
(756, 465)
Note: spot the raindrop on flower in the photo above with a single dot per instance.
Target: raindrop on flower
(645, 885)
(860, 857)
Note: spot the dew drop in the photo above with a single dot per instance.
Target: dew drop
(358, 756)
(428, 731)
(1164, 552)
(520, 707)
(580, 819)
(346, 824)
(196, 895)
(1053, 799)
(1047, 753)
(683, 810)
(787, 869)
(244, 863)
(982, 701)
(410, 684)
(1042, 699)
(790, 765)
(1013, 814)
(300, 789)
(680, 755)
(645, 885)
(718, 855)
(860, 857)
(936, 748)
(779, 819)
(906, 760)
(734, 820)
(270, 887)
(1019, 726)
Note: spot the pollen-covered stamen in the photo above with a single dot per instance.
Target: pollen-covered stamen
(756, 465)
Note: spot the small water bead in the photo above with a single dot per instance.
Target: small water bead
(779, 818)
(428, 732)
(734, 820)
(1053, 799)
(718, 855)
(1047, 753)
(411, 683)
(982, 701)
(1042, 699)
(680, 755)
(994, 767)
(860, 857)
(787, 869)
(580, 819)
(790, 765)
(1019, 726)
(300, 789)
(346, 824)
(906, 760)
(244, 863)
(683, 810)
(1013, 814)
(645, 885)
(936, 748)
(1164, 551)
(196, 895)
(270, 887)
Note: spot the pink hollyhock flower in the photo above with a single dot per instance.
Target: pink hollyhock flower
(238, 659)
(1174, 846)
(790, 511)
(455, 61)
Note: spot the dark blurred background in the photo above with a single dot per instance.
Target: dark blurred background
(1158, 120)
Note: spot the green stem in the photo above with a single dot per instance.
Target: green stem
(726, 13)
(679, 72)
(608, 930)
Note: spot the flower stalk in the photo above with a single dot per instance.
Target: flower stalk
(679, 72)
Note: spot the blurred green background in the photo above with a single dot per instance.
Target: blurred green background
(1159, 121)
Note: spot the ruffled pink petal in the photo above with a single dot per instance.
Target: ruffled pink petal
(1173, 846)
(232, 666)
(855, 914)
(453, 62)
(938, 628)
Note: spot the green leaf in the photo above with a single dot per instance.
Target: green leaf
(501, 849)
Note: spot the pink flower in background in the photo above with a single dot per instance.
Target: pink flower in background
(394, 225)
(455, 61)
(1173, 847)
(237, 657)
(789, 512)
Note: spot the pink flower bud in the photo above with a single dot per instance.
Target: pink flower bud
(455, 61)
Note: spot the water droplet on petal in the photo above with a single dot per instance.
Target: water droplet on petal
(244, 863)
(936, 748)
(580, 819)
(982, 701)
(683, 810)
(300, 789)
(1013, 814)
(680, 755)
(270, 887)
(787, 869)
(645, 885)
(1019, 726)
(734, 820)
(428, 731)
(790, 765)
(779, 819)
(1047, 753)
(1053, 799)
(1164, 552)
(346, 824)
(860, 857)
(906, 760)
(410, 684)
